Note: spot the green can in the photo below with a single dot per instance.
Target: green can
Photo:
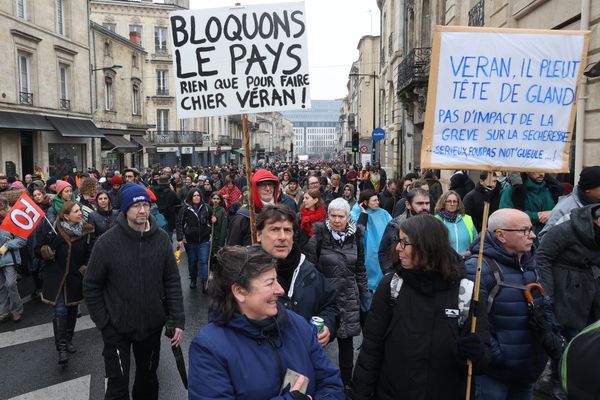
(318, 324)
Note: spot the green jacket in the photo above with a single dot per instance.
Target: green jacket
(219, 229)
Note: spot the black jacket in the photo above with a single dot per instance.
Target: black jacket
(130, 275)
(387, 200)
(569, 263)
(343, 264)
(473, 202)
(410, 346)
(194, 225)
(102, 220)
(168, 204)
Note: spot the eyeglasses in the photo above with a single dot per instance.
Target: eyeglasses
(137, 206)
(525, 231)
(403, 243)
(266, 184)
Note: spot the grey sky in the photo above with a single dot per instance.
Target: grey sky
(334, 29)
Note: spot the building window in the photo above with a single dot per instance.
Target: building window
(110, 27)
(134, 60)
(162, 120)
(183, 125)
(108, 93)
(135, 100)
(135, 34)
(162, 82)
(63, 85)
(160, 40)
(60, 17)
(107, 49)
(25, 95)
(21, 9)
(63, 159)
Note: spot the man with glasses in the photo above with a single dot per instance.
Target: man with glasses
(131, 284)
(521, 335)
(417, 202)
(131, 175)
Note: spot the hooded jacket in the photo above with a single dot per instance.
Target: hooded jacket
(569, 262)
(240, 361)
(194, 223)
(352, 200)
(130, 275)
(517, 356)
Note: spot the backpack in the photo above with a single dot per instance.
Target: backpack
(465, 293)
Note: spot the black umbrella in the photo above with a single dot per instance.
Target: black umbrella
(170, 332)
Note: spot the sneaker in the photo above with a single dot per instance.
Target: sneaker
(16, 317)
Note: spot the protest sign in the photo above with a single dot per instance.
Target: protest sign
(23, 217)
(502, 99)
(240, 59)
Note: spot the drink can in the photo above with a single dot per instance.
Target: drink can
(317, 324)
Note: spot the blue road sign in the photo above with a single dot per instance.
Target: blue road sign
(378, 134)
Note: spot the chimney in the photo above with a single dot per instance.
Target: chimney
(135, 38)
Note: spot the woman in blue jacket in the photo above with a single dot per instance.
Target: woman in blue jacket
(251, 345)
(451, 211)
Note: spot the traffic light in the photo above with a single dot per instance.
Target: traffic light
(354, 141)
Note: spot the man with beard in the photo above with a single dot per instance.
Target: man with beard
(307, 291)
(417, 202)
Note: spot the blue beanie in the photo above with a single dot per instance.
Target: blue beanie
(132, 193)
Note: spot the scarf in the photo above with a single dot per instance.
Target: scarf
(72, 230)
(448, 216)
(341, 236)
(58, 203)
(310, 216)
(286, 268)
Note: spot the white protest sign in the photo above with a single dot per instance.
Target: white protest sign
(240, 59)
(502, 98)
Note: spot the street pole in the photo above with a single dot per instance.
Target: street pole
(374, 107)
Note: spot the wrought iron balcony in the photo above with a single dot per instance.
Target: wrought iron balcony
(476, 14)
(65, 104)
(175, 137)
(161, 51)
(236, 143)
(224, 140)
(162, 92)
(413, 71)
(26, 98)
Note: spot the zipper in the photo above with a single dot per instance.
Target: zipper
(120, 363)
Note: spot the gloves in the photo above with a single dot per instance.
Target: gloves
(552, 342)
(471, 347)
(3, 250)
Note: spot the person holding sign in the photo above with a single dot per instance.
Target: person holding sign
(10, 258)
(66, 252)
(451, 211)
(253, 348)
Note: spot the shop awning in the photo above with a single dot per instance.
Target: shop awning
(13, 120)
(239, 151)
(121, 143)
(142, 142)
(71, 127)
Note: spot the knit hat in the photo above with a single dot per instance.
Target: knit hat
(589, 178)
(17, 185)
(50, 181)
(151, 194)
(116, 180)
(132, 193)
(60, 185)
(38, 183)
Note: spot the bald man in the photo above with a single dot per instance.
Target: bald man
(519, 353)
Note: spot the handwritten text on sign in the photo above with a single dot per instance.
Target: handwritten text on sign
(239, 60)
(504, 99)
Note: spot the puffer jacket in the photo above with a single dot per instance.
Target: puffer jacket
(102, 220)
(569, 262)
(343, 264)
(517, 356)
(238, 360)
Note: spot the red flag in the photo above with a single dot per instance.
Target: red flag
(23, 217)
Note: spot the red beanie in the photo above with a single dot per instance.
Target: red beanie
(116, 180)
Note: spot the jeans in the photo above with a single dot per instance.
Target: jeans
(61, 310)
(487, 388)
(117, 362)
(10, 301)
(197, 253)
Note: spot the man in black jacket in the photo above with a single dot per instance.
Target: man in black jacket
(307, 292)
(131, 273)
(474, 200)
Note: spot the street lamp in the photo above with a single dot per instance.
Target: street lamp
(116, 66)
(373, 76)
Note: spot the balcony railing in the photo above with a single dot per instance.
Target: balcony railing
(224, 140)
(476, 14)
(162, 92)
(175, 137)
(236, 143)
(414, 69)
(65, 104)
(26, 98)
(161, 51)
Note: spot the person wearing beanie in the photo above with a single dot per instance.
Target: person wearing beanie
(586, 192)
(265, 191)
(132, 277)
(115, 182)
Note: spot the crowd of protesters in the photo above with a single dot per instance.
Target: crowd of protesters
(391, 259)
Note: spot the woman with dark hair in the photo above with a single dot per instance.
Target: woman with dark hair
(415, 341)
(219, 236)
(311, 211)
(194, 225)
(66, 254)
(253, 348)
(451, 211)
(230, 193)
(105, 216)
(367, 213)
(207, 188)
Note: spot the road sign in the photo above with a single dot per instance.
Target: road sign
(364, 149)
(378, 134)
